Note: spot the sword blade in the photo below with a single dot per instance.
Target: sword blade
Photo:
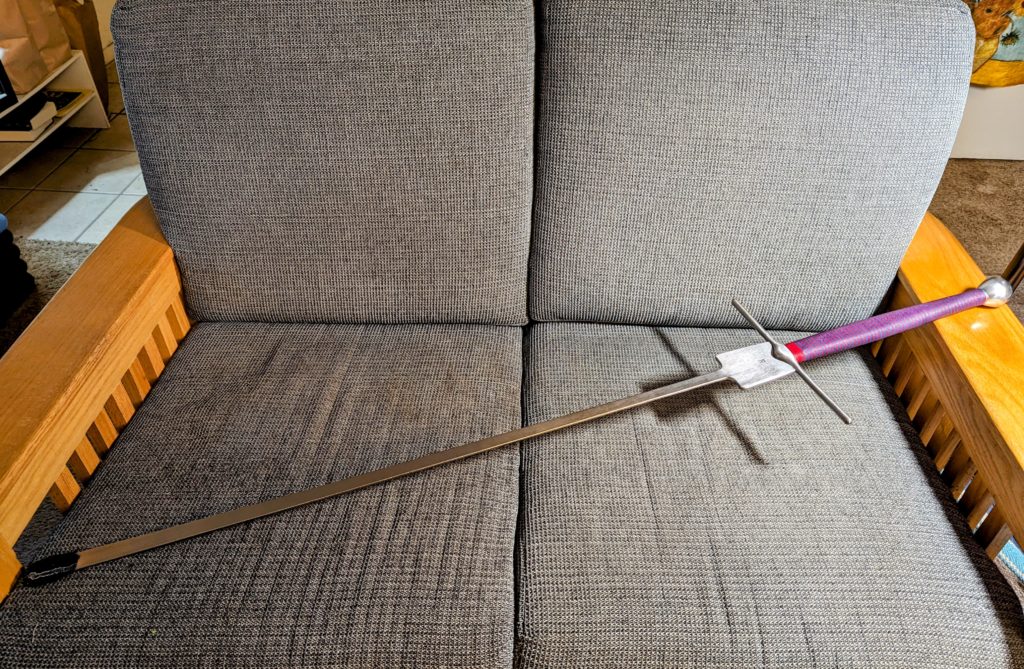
(195, 528)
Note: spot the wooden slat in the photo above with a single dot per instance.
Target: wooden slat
(177, 318)
(960, 462)
(135, 383)
(9, 569)
(84, 460)
(947, 446)
(974, 361)
(102, 433)
(931, 423)
(876, 347)
(164, 339)
(928, 407)
(906, 369)
(994, 532)
(977, 501)
(974, 493)
(963, 479)
(64, 490)
(918, 395)
(893, 348)
(59, 374)
(119, 407)
(151, 360)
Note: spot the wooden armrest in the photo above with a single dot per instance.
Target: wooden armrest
(962, 377)
(74, 377)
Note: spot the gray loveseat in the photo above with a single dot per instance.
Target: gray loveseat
(403, 226)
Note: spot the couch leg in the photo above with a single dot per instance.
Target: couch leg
(9, 569)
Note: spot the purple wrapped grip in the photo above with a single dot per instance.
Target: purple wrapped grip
(884, 325)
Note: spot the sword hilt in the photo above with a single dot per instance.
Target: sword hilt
(781, 352)
(993, 292)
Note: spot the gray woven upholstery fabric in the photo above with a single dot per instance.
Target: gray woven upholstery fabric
(337, 161)
(733, 528)
(782, 153)
(416, 572)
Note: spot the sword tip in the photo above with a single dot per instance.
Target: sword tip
(50, 569)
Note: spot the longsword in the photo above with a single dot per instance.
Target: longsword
(747, 367)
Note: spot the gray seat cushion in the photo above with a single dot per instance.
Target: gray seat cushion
(735, 528)
(337, 161)
(412, 572)
(782, 153)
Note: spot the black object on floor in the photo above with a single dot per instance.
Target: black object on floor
(16, 283)
(51, 264)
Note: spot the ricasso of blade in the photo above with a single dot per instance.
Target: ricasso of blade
(753, 365)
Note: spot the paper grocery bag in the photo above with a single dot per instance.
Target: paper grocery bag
(83, 29)
(32, 41)
(22, 61)
(47, 31)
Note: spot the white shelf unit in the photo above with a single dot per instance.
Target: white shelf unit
(88, 112)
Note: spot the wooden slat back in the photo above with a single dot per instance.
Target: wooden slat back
(81, 369)
(959, 379)
(951, 454)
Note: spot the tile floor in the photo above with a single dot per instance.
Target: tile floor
(78, 183)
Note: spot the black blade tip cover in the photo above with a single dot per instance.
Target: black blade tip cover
(50, 569)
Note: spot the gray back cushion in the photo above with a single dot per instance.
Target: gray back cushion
(781, 153)
(337, 161)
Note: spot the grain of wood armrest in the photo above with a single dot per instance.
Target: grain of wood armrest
(973, 363)
(80, 354)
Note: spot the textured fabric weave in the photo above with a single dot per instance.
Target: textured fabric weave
(416, 572)
(781, 153)
(337, 161)
(731, 528)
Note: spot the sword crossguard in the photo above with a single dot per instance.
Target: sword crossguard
(781, 352)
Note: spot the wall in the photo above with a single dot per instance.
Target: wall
(993, 124)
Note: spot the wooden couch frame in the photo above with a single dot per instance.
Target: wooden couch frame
(72, 381)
